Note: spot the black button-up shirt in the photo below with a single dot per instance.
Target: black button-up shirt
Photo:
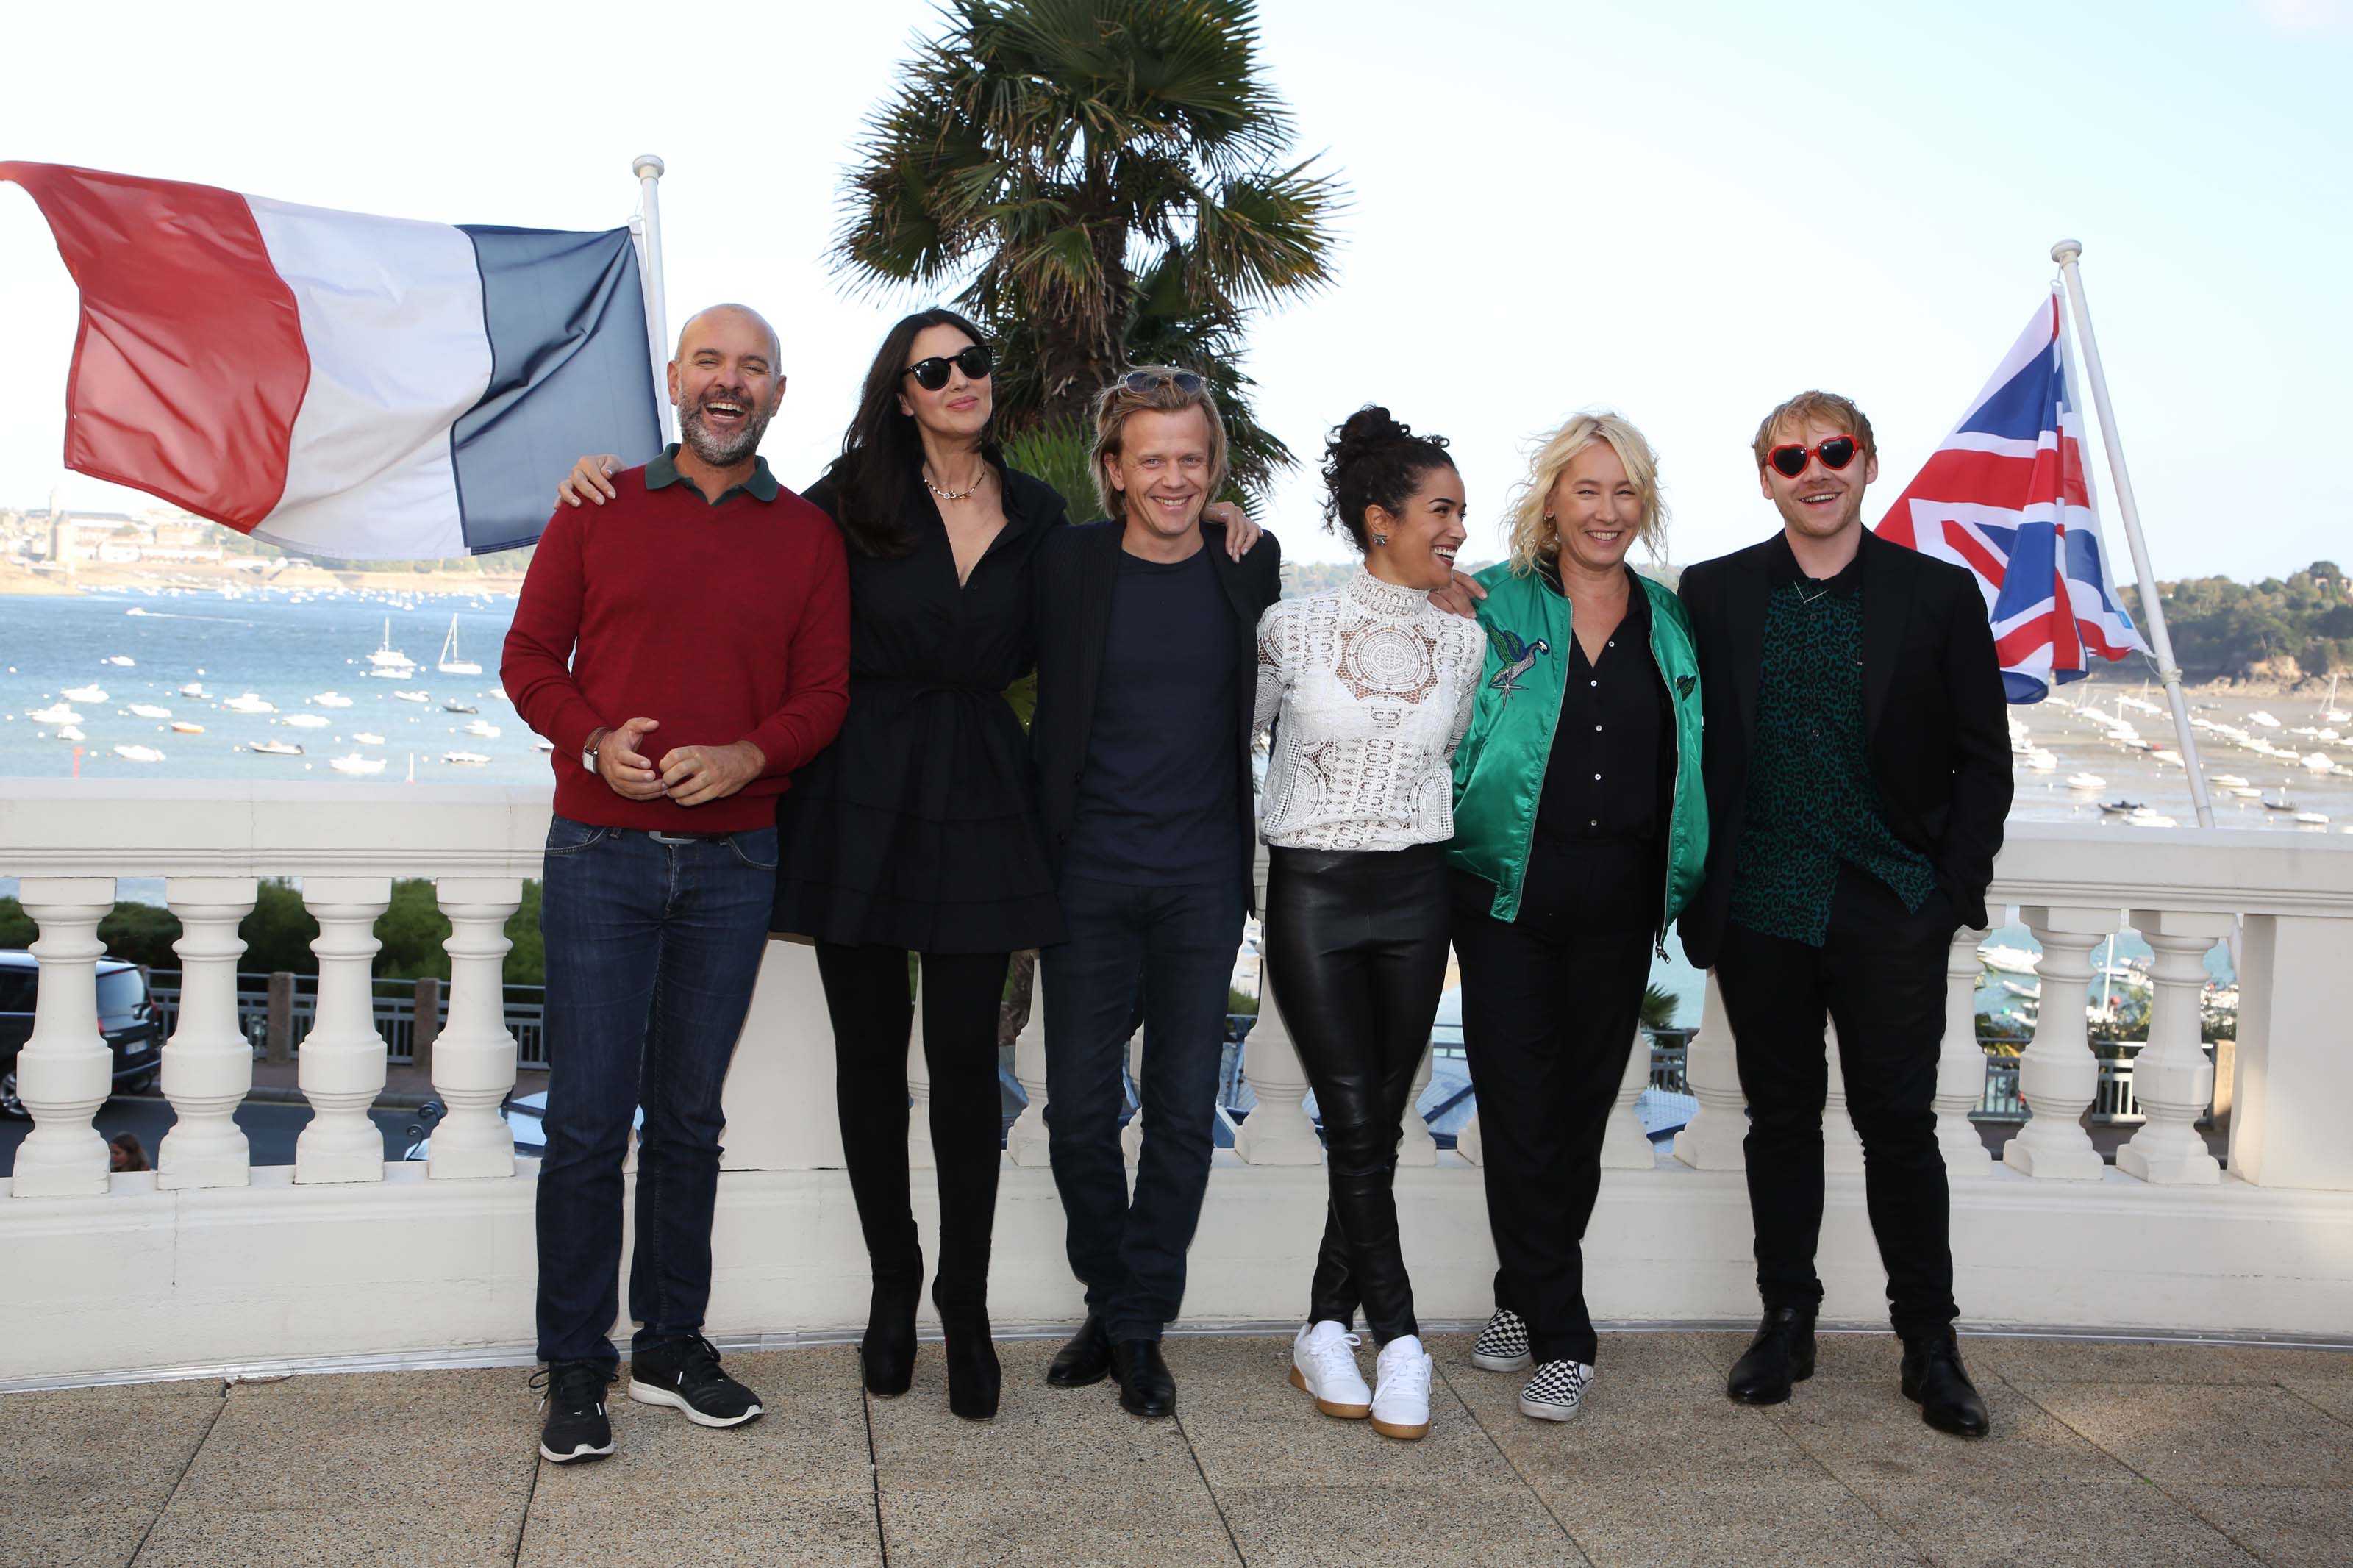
(1602, 780)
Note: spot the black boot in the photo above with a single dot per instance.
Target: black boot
(1933, 1379)
(1782, 1353)
(974, 1378)
(887, 1351)
(1085, 1359)
(1147, 1386)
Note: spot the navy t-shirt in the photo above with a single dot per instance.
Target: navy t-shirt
(1156, 801)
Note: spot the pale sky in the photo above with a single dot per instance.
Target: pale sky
(1684, 211)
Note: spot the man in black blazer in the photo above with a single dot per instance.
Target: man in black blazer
(1857, 764)
(1147, 675)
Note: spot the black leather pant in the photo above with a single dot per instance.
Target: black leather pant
(1356, 950)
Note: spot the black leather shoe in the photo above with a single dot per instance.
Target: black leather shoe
(1147, 1388)
(1781, 1355)
(1933, 1379)
(1085, 1359)
(887, 1354)
(975, 1379)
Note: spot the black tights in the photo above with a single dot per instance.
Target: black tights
(866, 993)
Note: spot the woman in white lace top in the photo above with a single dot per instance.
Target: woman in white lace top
(1369, 689)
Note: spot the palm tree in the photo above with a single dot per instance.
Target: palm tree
(1110, 180)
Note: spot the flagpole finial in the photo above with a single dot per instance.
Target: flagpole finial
(647, 166)
(2066, 250)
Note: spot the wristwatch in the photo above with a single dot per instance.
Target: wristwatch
(588, 752)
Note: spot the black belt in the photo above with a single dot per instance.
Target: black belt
(661, 837)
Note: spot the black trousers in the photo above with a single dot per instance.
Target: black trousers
(866, 993)
(1356, 947)
(1880, 978)
(1549, 1013)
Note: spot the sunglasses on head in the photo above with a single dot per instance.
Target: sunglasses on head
(932, 374)
(1791, 461)
(1184, 381)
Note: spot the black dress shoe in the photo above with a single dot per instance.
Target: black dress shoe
(975, 1379)
(1934, 1380)
(1085, 1359)
(1147, 1388)
(1781, 1355)
(887, 1354)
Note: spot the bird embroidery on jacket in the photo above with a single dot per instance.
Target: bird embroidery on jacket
(1519, 658)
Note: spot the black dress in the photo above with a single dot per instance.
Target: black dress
(918, 826)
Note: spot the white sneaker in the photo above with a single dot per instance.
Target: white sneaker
(1401, 1400)
(1503, 1344)
(1324, 1365)
(1557, 1392)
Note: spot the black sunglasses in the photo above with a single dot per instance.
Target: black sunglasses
(1791, 461)
(1184, 381)
(932, 374)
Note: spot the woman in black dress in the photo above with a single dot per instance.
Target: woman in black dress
(916, 831)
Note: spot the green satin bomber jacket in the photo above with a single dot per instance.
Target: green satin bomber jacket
(1499, 768)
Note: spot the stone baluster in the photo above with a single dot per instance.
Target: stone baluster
(1712, 1140)
(919, 1155)
(474, 1056)
(65, 1070)
(341, 1061)
(1842, 1145)
(1415, 1145)
(2172, 1078)
(1131, 1137)
(1961, 1062)
(208, 1063)
(1469, 1143)
(1277, 1132)
(2058, 1074)
(1026, 1142)
(1624, 1145)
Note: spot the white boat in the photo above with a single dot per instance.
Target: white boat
(277, 748)
(388, 656)
(359, 765)
(331, 699)
(2042, 761)
(2230, 781)
(472, 759)
(2086, 780)
(414, 695)
(182, 727)
(2317, 762)
(364, 739)
(2007, 960)
(195, 689)
(55, 713)
(449, 663)
(2144, 817)
(305, 720)
(454, 706)
(539, 743)
(84, 693)
(139, 753)
(250, 702)
(2265, 720)
(2313, 818)
(149, 710)
(121, 660)
(2244, 792)
(482, 730)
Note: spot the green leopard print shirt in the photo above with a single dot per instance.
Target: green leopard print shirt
(1811, 802)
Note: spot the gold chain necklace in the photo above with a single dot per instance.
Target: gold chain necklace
(965, 494)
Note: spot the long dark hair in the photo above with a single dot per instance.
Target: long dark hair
(1372, 459)
(880, 466)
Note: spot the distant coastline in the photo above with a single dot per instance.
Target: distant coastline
(208, 576)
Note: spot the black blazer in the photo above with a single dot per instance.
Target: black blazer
(1934, 716)
(1076, 568)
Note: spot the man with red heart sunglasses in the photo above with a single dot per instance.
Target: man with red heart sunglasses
(1857, 761)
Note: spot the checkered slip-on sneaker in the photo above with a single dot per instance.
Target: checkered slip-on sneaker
(1503, 1344)
(1556, 1391)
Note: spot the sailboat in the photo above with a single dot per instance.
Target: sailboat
(450, 664)
(2329, 712)
(388, 660)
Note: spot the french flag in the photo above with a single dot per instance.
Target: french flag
(2008, 497)
(370, 388)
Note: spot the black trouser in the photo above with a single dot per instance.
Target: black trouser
(866, 993)
(1880, 978)
(1355, 948)
(1549, 1013)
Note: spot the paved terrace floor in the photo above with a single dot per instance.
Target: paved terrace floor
(2102, 1454)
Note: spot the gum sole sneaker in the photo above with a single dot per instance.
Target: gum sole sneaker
(1324, 1367)
(1401, 1389)
(1503, 1344)
(1556, 1391)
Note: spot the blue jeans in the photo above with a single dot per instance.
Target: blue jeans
(653, 949)
(1175, 948)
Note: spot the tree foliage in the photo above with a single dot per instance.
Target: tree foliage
(1109, 182)
(2227, 630)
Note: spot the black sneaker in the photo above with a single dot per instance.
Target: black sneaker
(573, 1394)
(683, 1373)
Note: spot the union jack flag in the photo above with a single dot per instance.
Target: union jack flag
(2009, 496)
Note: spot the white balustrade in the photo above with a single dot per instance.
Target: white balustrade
(1028, 1140)
(474, 1056)
(1624, 1145)
(208, 1063)
(341, 1062)
(2058, 1075)
(919, 1155)
(1711, 1139)
(1416, 1147)
(1276, 1132)
(64, 1072)
(1131, 1137)
(1961, 1062)
(2172, 1077)
(1471, 1144)
(1842, 1145)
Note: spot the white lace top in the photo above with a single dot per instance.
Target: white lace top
(1369, 688)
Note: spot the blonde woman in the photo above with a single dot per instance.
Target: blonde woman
(1580, 831)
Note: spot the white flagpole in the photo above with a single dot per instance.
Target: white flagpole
(649, 170)
(2152, 608)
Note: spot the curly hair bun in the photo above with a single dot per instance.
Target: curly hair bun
(1373, 458)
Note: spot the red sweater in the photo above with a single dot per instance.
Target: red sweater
(726, 623)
